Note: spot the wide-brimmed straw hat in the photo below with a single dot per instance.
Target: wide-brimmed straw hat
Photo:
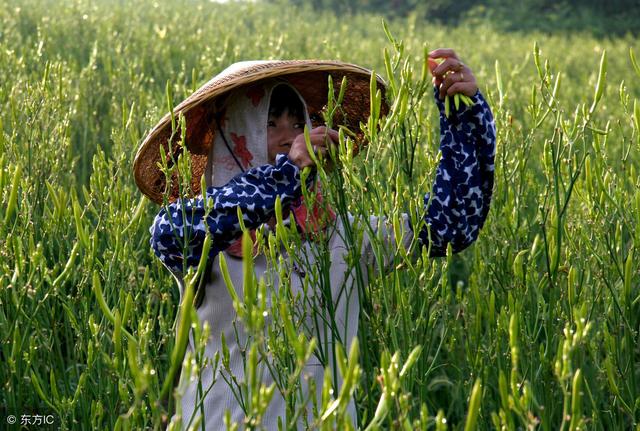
(309, 77)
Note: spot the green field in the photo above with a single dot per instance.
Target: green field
(542, 313)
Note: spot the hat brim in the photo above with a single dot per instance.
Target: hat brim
(309, 77)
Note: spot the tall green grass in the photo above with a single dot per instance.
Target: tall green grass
(535, 326)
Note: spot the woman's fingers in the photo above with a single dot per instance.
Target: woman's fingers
(443, 71)
(320, 151)
(320, 138)
(333, 134)
(466, 88)
(451, 76)
(443, 53)
(325, 135)
(448, 81)
(459, 82)
(432, 64)
(448, 65)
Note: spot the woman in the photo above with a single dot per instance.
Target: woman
(256, 153)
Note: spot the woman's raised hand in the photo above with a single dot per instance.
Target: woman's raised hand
(320, 137)
(451, 76)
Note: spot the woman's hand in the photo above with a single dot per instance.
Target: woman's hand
(321, 138)
(451, 76)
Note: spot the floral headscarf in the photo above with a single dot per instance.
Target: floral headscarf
(243, 124)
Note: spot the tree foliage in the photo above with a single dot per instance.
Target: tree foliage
(600, 17)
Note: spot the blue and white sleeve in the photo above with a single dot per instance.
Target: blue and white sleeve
(459, 201)
(179, 230)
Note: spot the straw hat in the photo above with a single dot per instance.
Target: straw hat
(309, 77)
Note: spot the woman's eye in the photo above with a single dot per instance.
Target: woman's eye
(299, 125)
(271, 123)
(316, 119)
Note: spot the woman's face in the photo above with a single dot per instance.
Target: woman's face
(281, 131)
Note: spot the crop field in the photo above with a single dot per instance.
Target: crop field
(535, 326)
